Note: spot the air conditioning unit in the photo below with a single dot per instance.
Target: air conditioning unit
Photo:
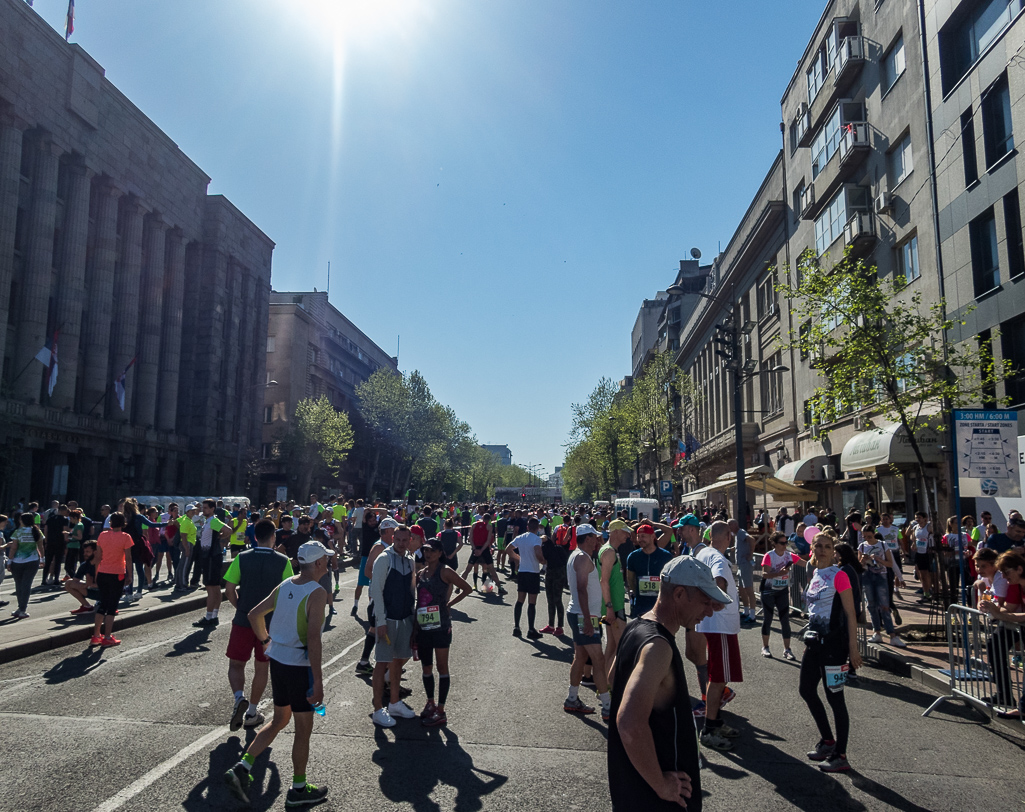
(829, 472)
(884, 203)
(860, 423)
(815, 432)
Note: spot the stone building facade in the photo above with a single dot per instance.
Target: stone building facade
(312, 350)
(110, 242)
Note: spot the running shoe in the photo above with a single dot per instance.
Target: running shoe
(401, 710)
(517, 632)
(699, 709)
(382, 718)
(729, 732)
(728, 695)
(503, 591)
(237, 715)
(254, 720)
(19, 615)
(82, 610)
(364, 669)
(547, 629)
(587, 682)
(822, 751)
(110, 641)
(876, 638)
(789, 655)
(715, 739)
(355, 610)
(436, 719)
(606, 714)
(429, 709)
(534, 634)
(897, 642)
(239, 781)
(576, 706)
(558, 631)
(95, 640)
(766, 652)
(835, 764)
(307, 796)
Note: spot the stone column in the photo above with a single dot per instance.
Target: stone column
(10, 181)
(151, 299)
(71, 282)
(171, 332)
(35, 282)
(97, 378)
(125, 327)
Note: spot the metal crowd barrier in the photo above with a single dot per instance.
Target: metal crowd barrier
(984, 661)
(798, 583)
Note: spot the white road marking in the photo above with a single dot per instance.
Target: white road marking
(160, 771)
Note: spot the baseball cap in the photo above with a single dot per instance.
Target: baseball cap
(645, 528)
(417, 530)
(688, 519)
(434, 543)
(586, 530)
(313, 551)
(686, 570)
(618, 524)
(388, 524)
(190, 506)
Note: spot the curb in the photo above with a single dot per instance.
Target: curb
(76, 634)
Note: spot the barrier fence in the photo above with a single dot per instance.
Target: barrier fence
(984, 661)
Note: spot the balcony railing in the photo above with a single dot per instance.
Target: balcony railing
(849, 59)
(802, 126)
(806, 201)
(859, 232)
(854, 143)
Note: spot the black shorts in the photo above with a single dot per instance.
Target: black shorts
(484, 558)
(211, 566)
(289, 686)
(529, 582)
(427, 642)
(110, 587)
(451, 561)
(922, 561)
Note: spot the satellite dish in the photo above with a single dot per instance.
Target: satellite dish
(695, 253)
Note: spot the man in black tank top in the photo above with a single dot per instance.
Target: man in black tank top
(653, 748)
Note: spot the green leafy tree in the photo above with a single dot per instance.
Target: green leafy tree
(316, 442)
(881, 348)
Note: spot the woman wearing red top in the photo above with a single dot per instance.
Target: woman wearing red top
(113, 558)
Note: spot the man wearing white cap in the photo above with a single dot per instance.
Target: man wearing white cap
(294, 648)
(652, 755)
(584, 619)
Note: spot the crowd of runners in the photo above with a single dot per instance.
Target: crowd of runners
(617, 589)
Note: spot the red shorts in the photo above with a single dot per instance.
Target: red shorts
(243, 643)
(723, 658)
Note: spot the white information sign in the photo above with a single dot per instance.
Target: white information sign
(987, 453)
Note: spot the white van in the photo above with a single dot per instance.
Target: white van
(649, 507)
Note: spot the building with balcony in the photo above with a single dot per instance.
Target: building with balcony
(312, 349)
(113, 254)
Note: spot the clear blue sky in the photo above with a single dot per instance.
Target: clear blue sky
(499, 181)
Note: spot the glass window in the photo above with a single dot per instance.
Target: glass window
(1012, 334)
(829, 224)
(968, 35)
(816, 75)
(908, 260)
(825, 143)
(971, 162)
(894, 63)
(997, 130)
(901, 162)
(982, 233)
(270, 343)
(1012, 227)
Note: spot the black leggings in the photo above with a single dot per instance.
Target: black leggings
(110, 587)
(813, 671)
(773, 599)
(553, 591)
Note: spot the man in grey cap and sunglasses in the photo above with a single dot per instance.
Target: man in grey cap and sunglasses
(653, 751)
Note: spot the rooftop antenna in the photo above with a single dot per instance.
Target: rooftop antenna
(329, 279)
(398, 344)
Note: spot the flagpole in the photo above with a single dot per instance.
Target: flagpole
(98, 402)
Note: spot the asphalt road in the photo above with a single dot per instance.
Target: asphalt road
(144, 727)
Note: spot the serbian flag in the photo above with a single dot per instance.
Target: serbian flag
(119, 385)
(69, 26)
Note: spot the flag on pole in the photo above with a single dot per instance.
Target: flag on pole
(69, 27)
(51, 372)
(119, 385)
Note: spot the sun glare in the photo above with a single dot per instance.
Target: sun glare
(362, 22)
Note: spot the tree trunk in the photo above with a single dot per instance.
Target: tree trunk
(373, 471)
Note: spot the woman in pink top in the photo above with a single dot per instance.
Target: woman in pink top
(113, 558)
(776, 566)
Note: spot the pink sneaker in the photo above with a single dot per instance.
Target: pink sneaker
(558, 631)
(547, 630)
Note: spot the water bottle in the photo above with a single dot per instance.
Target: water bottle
(319, 709)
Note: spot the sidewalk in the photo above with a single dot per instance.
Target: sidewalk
(51, 625)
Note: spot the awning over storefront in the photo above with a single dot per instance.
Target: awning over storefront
(694, 496)
(806, 470)
(889, 445)
(761, 479)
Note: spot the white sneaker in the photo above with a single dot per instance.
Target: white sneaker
(382, 718)
(876, 638)
(766, 652)
(401, 710)
(896, 641)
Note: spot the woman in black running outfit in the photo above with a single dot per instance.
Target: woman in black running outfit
(434, 625)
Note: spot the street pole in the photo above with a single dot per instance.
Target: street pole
(738, 433)
(238, 444)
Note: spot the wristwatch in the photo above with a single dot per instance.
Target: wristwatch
(265, 641)
(608, 604)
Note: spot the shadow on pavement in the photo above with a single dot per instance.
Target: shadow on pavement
(74, 667)
(438, 760)
(193, 643)
(212, 793)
